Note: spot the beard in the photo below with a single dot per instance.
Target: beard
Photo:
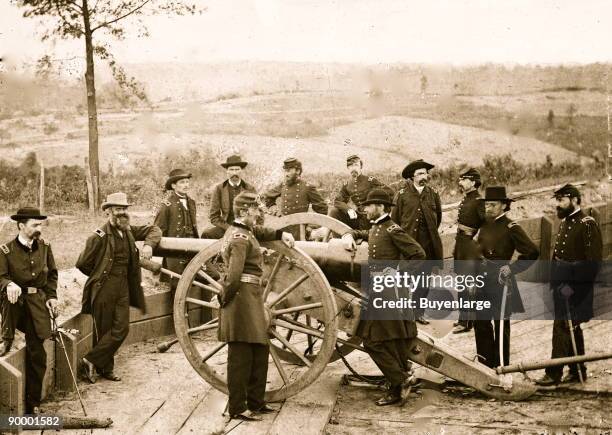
(235, 179)
(291, 180)
(562, 213)
(35, 235)
(121, 221)
(422, 182)
(354, 174)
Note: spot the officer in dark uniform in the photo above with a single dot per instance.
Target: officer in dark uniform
(176, 217)
(386, 341)
(28, 291)
(469, 219)
(221, 212)
(111, 262)
(418, 210)
(348, 205)
(499, 238)
(295, 194)
(242, 318)
(576, 261)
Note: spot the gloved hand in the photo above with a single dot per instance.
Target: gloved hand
(13, 291)
(288, 239)
(504, 274)
(349, 242)
(352, 213)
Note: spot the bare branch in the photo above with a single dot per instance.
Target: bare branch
(121, 17)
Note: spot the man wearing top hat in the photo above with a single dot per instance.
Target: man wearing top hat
(176, 217)
(221, 213)
(111, 262)
(28, 292)
(470, 217)
(348, 205)
(498, 239)
(386, 339)
(576, 261)
(418, 210)
(295, 194)
(242, 317)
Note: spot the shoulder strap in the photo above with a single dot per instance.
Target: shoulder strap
(394, 227)
(512, 224)
(238, 235)
(99, 232)
(4, 249)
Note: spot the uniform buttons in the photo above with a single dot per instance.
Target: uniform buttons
(33, 274)
(32, 262)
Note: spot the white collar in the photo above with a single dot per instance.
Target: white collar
(234, 185)
(381, 217)
(419, 188)
(574, 212)
(24, 242)
(499, 217)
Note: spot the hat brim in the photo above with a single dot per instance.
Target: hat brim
(496, 199)
(377, 201)
(229, 165)
(106, 205)
(410, 169)
(38, 217)
(174, 179)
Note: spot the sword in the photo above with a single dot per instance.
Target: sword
(570, 325)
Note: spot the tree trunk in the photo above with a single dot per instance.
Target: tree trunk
(92, 112)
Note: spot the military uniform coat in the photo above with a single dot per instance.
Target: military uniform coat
(170, 217)
(356, 190)
(242, 317)
(388, 241)
(470, 214)
(411, 207)
(576, 261)
(220, 205)
(96, 261)
(35, 268)
(498, 240)
(295, 198)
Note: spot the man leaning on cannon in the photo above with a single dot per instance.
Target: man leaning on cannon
(242, 318)
(386, 340)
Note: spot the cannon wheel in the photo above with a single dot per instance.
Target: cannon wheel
(336, 227)
(293, 283)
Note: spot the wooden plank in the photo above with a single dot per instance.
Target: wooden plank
(145, 329)
(12, 389)
(63, 378)
(49, 380)
(207, 417)
(158, 304)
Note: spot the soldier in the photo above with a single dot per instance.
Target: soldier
(469, 219)
(386, 341)
(177, 217)
(498, 238)
(28, 291)
(221, 213)
(418, 211)
(296, 195)
(242, 318)
(348, 205)
(576, 261)
(111, 261)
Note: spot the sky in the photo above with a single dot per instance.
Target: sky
(360, 31)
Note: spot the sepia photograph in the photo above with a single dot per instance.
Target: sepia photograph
(306, 217)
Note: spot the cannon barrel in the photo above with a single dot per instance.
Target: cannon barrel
(332, 258)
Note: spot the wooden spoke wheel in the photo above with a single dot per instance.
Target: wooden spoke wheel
(293, 283)
(346, 344)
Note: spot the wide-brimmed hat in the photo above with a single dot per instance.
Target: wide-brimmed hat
(569, 190)
(378, 196)
(118, 199)
(28, 213)
(234, 160)
(496, 193)
(174, 176)
(409, 170)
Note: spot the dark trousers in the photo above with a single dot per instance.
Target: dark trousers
(391, 357)
(562, 347)
(111, 318)
(19, 316)
(487, 342)
(247, 372)
(360, 223)
(212, 233)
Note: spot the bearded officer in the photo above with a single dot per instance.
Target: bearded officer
(386, 341)
(176, 217)
(470, 217)
(111, 262)
(498, 239)
(418, 210)
(348, 205)
(242, 318)
(221, 213)
(576, 261)
(28, 291)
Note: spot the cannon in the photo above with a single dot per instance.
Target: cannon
(313, 307)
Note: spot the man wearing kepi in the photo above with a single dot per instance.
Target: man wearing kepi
(111, 261)
(469, 219)
(386, 340)
(498, 239)
(28, 292)
(576, 261)
(221, 213)
(243, 321)
(176, 217)
(418, 210)
(348, 205)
